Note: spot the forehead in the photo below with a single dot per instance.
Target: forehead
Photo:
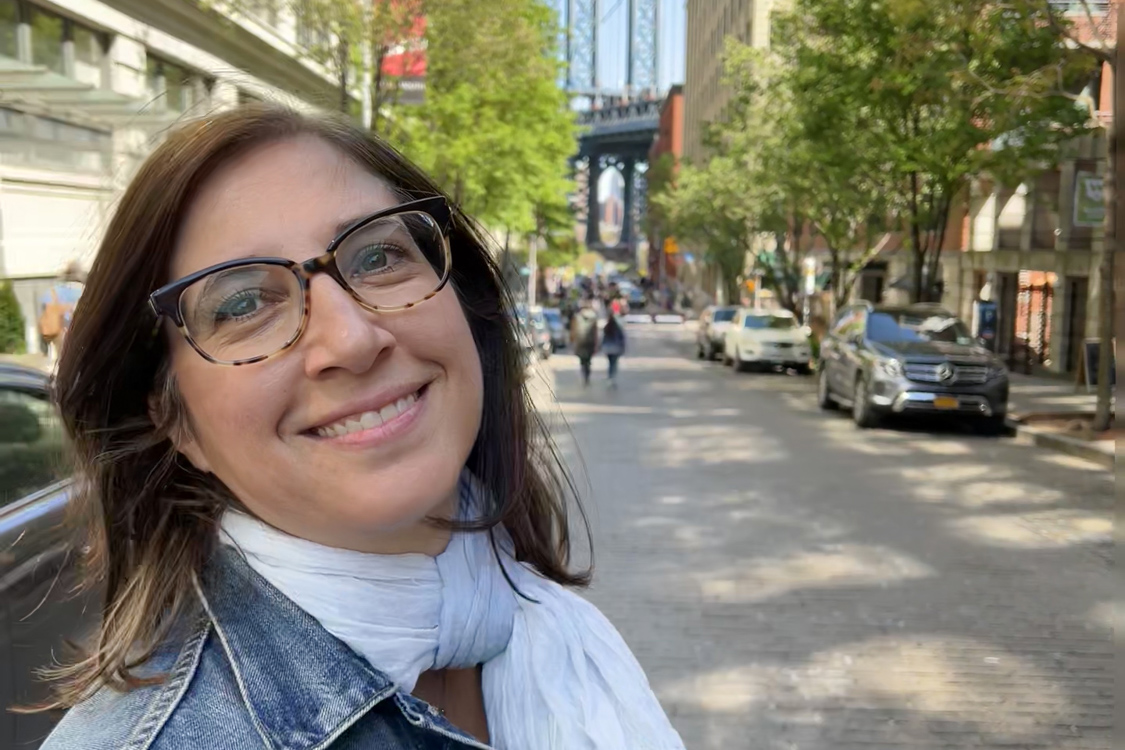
(282, 199)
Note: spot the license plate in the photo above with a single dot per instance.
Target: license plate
(945, 402)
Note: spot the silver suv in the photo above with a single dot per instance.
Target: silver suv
(911, 360)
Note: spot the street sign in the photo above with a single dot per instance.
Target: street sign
(1089, 200)
(670, 246)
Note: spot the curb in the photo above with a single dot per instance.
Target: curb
(1064, 444)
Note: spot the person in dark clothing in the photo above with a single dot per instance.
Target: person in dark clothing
(613, 345)
(584, 336)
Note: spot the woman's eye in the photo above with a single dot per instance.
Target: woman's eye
(238, 306)
(371, 259)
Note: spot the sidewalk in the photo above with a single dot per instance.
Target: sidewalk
(1040, 395)
(1047, 397)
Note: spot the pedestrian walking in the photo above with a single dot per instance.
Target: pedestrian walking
(584, 336)
(355, 539)
(613, 346)
(56, 308)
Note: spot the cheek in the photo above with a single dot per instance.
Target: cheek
(228, 405)
(458, 350)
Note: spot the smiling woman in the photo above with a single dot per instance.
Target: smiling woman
(318, 485)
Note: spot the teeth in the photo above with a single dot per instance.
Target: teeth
(367, 420)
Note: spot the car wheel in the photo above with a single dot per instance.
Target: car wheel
(862, 414)
(823, 393)
(803, 370)
(739, 365)
(699, 353)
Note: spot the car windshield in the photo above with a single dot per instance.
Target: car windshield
(912, 326)
(761, 322)
(724, 315)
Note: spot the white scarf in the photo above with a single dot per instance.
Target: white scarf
(557, 675)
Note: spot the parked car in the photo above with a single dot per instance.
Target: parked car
(766, 339)
(637, 300)
(540, 332)
(916, 360)
(711, 336)
(560, 337)
(38, 571)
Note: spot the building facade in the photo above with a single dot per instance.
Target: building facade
(709, 23)
(87, 89)
(666, 152)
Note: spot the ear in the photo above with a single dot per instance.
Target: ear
(189, 447)
(171, 418)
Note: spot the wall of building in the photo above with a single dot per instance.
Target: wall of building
(63, 161)
(1023, 238)
(709, 23)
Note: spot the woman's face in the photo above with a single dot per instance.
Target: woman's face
(259, 427)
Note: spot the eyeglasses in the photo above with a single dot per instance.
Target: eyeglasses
(248, 310)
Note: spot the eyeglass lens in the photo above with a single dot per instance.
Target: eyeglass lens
(254, 310)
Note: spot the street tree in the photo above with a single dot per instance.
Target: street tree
(843, 186)
(945, 92)
(703, 207)
(761, 157)
(352, 39)
(495, 129)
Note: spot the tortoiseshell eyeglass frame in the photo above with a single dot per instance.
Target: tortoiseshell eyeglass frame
(165, 301)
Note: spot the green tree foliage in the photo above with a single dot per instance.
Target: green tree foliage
(941, 93)
(11, 322)
(495, 129)
(706, 207)
(351, 39)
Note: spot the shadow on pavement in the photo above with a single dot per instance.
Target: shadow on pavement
(790, 581)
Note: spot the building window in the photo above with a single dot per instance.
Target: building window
(47, 35)
(9, 28)
(30, 140)
(89, 54)
(170, 81)
(89, 45)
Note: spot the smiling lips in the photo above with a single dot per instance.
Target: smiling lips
(367, 420)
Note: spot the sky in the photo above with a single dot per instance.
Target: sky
(612, 43)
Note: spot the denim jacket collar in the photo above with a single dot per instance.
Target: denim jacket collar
(302, 686)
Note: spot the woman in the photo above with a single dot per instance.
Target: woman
(322, 510)
(613, 345)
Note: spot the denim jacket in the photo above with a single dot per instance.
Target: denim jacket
(251, 669)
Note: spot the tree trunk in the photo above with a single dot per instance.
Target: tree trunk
(342, 63)
(918, 253)
(377, 96)
(1103, 413)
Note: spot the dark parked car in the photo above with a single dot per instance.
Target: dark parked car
(37, 563)
(559, 335)
(917, 359)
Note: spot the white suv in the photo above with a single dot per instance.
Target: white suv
(766, 339)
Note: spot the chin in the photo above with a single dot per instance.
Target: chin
(401, 502)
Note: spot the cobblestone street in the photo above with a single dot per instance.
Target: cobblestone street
(791, 582)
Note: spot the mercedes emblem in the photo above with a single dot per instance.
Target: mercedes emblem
(946, 373)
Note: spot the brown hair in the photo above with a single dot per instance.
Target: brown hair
(149, 517)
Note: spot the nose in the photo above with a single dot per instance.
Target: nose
(341, 335)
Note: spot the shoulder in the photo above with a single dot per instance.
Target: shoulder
(114, 720)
